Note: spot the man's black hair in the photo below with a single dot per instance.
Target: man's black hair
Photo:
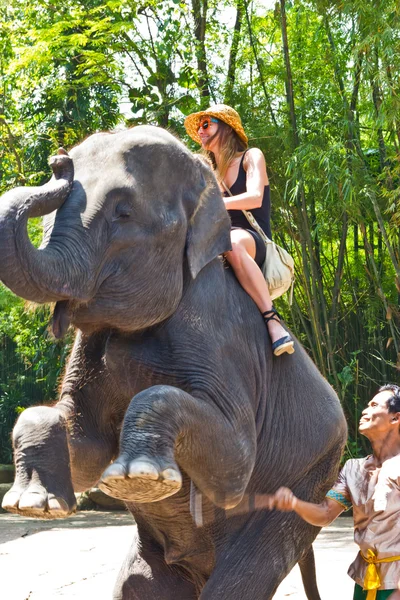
(393, 402)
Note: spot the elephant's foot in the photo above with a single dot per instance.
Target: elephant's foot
(34, 501)
(43, 487)
(141, 480)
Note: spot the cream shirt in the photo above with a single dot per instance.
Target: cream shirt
(374, 493)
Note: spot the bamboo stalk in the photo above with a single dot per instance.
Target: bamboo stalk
(369, 251)
(230, 77)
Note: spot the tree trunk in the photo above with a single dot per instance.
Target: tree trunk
(199, 11)
(230, 78)
(377, 284)
(255, 54)
(313, 281)
(338, 277)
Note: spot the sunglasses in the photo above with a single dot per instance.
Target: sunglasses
(206, 122)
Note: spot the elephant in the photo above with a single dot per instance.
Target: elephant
(172, 400)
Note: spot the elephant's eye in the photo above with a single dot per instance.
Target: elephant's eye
(122, 212)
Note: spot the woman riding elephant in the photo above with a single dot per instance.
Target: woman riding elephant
(243, 172)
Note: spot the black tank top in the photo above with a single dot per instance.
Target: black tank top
(262, 215)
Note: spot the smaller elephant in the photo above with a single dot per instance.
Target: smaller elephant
(171, 391)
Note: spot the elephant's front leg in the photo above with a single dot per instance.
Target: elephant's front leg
(165, 427)
(57, 452)
(43, 486)
(65, 448)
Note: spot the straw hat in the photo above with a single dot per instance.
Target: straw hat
(220, 111)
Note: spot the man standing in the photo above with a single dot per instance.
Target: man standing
(371, 486)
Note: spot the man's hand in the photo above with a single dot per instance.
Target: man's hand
(283, 500)
(396, 594)
(316, 514)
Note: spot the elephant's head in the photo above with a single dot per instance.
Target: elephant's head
(128, 214)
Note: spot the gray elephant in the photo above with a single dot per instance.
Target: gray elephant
(171, 396)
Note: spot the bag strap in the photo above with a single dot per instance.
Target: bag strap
(250, 218)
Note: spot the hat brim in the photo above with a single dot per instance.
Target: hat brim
(192, 123)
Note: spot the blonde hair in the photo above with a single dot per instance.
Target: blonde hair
(230, 145)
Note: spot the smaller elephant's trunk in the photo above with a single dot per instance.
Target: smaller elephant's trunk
(27, 271)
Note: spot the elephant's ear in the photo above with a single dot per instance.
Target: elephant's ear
(209, 225)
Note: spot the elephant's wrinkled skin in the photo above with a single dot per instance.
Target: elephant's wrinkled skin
(171, 378)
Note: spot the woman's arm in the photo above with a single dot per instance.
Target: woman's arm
(316, 514)
(256, 180)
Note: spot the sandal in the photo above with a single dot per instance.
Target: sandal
(285, 343)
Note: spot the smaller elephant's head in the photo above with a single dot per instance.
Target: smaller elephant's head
(129, 215)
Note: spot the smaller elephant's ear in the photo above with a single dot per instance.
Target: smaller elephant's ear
(209, 225)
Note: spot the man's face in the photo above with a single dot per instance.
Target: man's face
(376, 418)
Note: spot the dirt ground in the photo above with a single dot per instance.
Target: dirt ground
(80, 557)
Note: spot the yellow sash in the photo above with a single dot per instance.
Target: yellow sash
(372, 581)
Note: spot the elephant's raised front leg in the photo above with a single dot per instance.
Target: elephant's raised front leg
(165, 426)
(43, 486)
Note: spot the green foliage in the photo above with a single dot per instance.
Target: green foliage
(31, 363)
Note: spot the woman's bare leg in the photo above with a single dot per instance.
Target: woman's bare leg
(250, 277)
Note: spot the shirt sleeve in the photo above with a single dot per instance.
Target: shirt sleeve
(340, 491)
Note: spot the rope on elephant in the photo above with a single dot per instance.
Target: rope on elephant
(249, 503)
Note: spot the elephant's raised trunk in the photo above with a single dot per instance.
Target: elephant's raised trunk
(29, 272)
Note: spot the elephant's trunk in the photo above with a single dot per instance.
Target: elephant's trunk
(34, 274)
